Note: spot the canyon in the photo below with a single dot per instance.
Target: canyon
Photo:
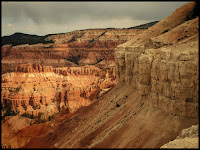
(41, 80)
(78, 65)
(116, 88)
(76, 48)
(34, 89)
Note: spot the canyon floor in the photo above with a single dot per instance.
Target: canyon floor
(137, 90)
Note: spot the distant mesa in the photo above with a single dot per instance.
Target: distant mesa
(23, 38)
(140, 86)
(19, 38)
(144, 26)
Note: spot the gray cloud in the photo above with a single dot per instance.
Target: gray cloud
(65, 13)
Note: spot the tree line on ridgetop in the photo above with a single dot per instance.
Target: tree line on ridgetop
(22, 38)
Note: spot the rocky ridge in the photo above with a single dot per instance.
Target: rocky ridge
(150, 105)
(155, 98)
(87, 47)
(162, 63)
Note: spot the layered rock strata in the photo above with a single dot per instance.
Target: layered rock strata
(87, 47)
(149, 73)
(162, 63)
(155, 98)
(35, 89)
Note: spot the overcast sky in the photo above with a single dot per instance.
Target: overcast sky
(43, 18)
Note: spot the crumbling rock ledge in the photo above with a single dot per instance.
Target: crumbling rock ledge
(188, 138)
(162, 63)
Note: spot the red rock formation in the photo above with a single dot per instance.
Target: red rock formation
(33, 68)
(84, 70)
(18, 130)
(5, 50)
(34, 86)
(80, 47)
(156, 96)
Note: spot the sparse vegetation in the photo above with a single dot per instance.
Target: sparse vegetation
(36, 107)
(74, 59)
(143, 26)
(99, 60)
(9, 112)
(28, 115)
(21, 38)
(25, 108)
(72, 39)
(166, 30)
(91, 40)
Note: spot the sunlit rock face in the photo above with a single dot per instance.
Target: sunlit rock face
(37, 93)
(162, 63)
(33, 89)
(188, 138)
(40, 74)
(155, 98)
(85, 47)
(41, 80)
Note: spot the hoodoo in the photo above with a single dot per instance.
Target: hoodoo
(138, 90)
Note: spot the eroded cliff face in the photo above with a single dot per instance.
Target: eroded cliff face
(34, 89)
(188, 138)
(87, 47)
(155, 98)
(162, 63)
(37, 93)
